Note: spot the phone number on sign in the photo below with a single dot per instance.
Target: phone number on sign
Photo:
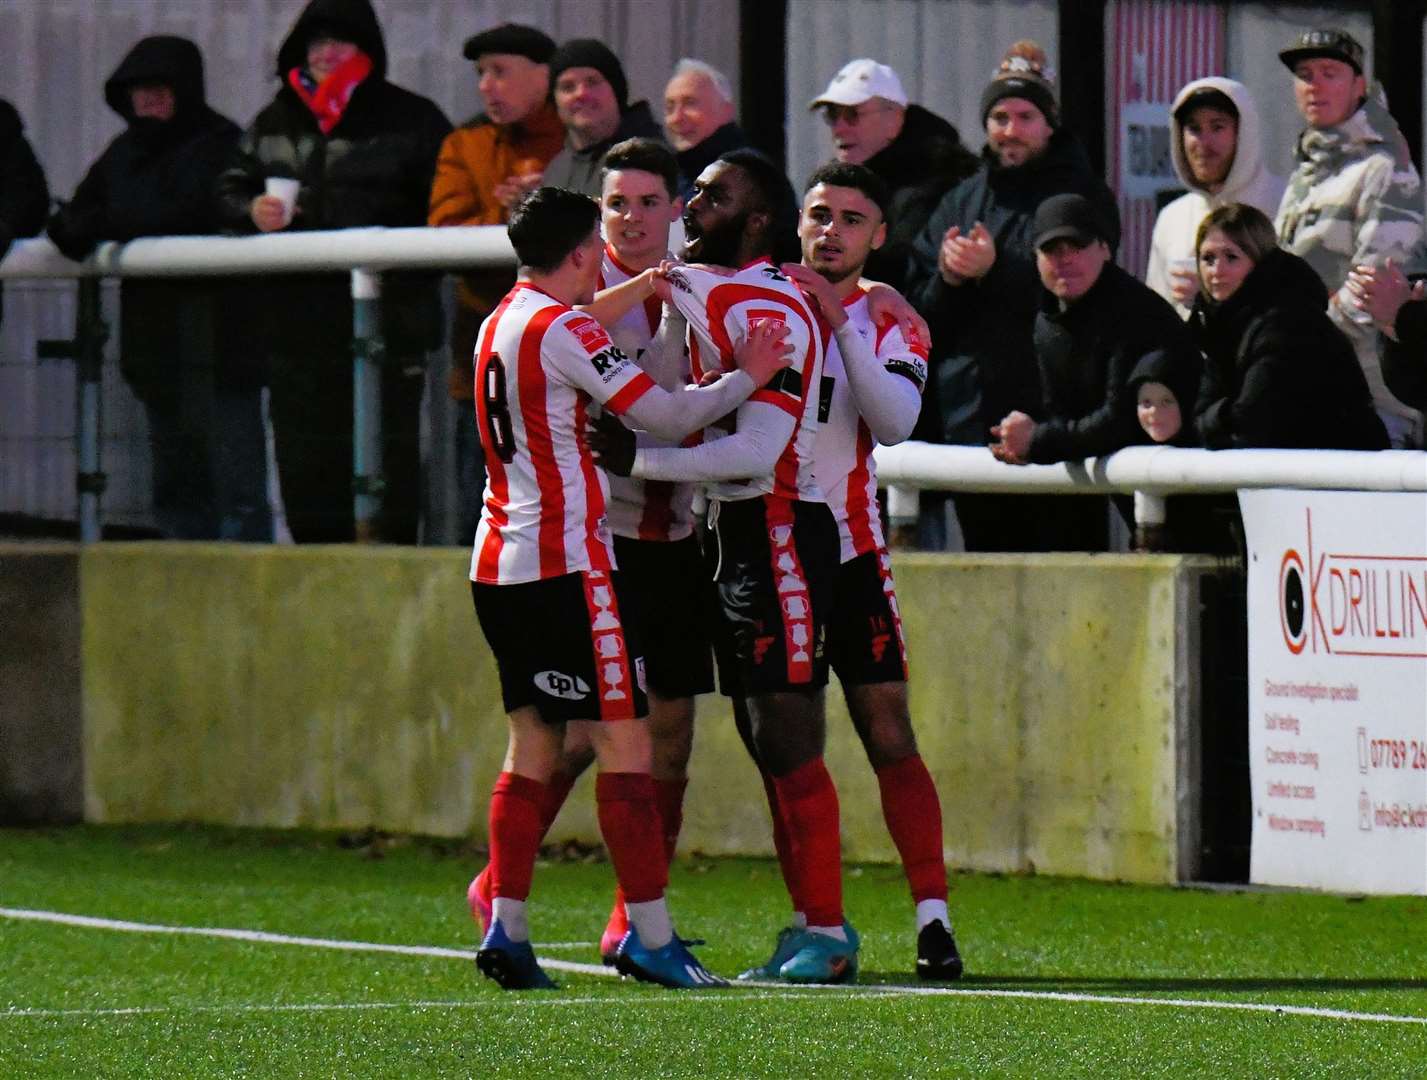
(1397, 754)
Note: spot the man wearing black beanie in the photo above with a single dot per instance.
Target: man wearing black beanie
(592, 98)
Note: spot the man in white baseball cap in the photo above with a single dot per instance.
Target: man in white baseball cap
(915, 152)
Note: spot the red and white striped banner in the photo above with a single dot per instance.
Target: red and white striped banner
(1153, 47)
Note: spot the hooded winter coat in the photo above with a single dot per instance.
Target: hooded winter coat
(1355, 197)
(24, 196)
(1249, 181)
(156, 179)
(1087, 355)
(1278, 373)
(374, 168)
(983, 360)
(1166, 367)
(580, 170)
(924, 161)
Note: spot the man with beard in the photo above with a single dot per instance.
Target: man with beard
(551, 604)
(774, 543)
(1218, 153)
(181, 350)
(872, 383)
(973, 277)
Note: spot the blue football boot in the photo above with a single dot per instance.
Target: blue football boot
(511, 964)
(672, 966)
(821, 959)
(788, 943)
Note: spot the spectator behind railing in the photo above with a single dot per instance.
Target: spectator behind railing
(591, 95)
(973, 277)
(24, 196)
(1095, 326)
(183, 349)
(1278, 372)
(364, 152)
(484, 168)
(1355, 196)
(1398, 308)
(1216, 144)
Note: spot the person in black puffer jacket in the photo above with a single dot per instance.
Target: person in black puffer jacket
(24, 195)
(182, 345)
(1278, 372)
(365, 152)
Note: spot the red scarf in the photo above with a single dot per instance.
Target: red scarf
(328, 101)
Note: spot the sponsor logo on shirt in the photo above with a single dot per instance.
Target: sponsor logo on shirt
(590, 333)
(608, 361)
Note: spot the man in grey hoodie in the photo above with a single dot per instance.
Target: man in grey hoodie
(1217, 146)
(1355, 197)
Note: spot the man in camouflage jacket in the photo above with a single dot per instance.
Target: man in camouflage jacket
(1355, 196)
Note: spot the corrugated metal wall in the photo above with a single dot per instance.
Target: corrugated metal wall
(57, 55)
(945, 53)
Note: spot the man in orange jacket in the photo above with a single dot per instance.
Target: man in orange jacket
(484, 167)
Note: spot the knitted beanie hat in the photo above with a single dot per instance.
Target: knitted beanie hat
(1024, 73)
(590, 53)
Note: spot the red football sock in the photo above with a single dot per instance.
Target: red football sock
(557, 790)
(782, 845)
(810, 812)
(669, 799)
(514, 834)
(913, 813)
(630, 826)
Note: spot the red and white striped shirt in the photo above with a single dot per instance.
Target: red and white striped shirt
(539, 363)
(643, 509)
(842, 455)
(719, 306)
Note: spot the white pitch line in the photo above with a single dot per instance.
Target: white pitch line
(780, 989)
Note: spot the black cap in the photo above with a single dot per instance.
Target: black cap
(512, 39)
(591, 53)
(1206, 97)
(1072, 216)
(1328, 41)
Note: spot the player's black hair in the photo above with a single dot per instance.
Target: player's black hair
(859, 177)
(548, 224)
(778, 200)
(647, 155)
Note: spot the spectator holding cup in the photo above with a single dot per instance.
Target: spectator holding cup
(1217, 146)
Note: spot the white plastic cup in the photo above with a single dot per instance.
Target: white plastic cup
(284, 188)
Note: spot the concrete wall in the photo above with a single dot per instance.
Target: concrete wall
(345, 687)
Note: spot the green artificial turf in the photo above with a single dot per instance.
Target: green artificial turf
(81, 1001)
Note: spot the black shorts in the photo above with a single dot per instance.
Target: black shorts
(567, 645)
(864, 636)
(775, 565)
(674, 596)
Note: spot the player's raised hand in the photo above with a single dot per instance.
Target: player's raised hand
(818, 290)
(764, 351)
(659, 279)
(885, 302)
(612, 444)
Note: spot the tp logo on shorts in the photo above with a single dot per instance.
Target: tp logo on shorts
(557, 684)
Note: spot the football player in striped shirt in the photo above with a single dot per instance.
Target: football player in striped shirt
(548, 597)
(872, 383)
(775, 546)
(652, 521)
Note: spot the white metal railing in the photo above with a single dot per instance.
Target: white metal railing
(1148, 472)
(364, 253)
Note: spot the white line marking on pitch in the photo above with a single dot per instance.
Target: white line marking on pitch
(780, 989)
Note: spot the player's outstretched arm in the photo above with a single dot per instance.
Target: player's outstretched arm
(612, 304)
(751, 451)
(760, 356)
